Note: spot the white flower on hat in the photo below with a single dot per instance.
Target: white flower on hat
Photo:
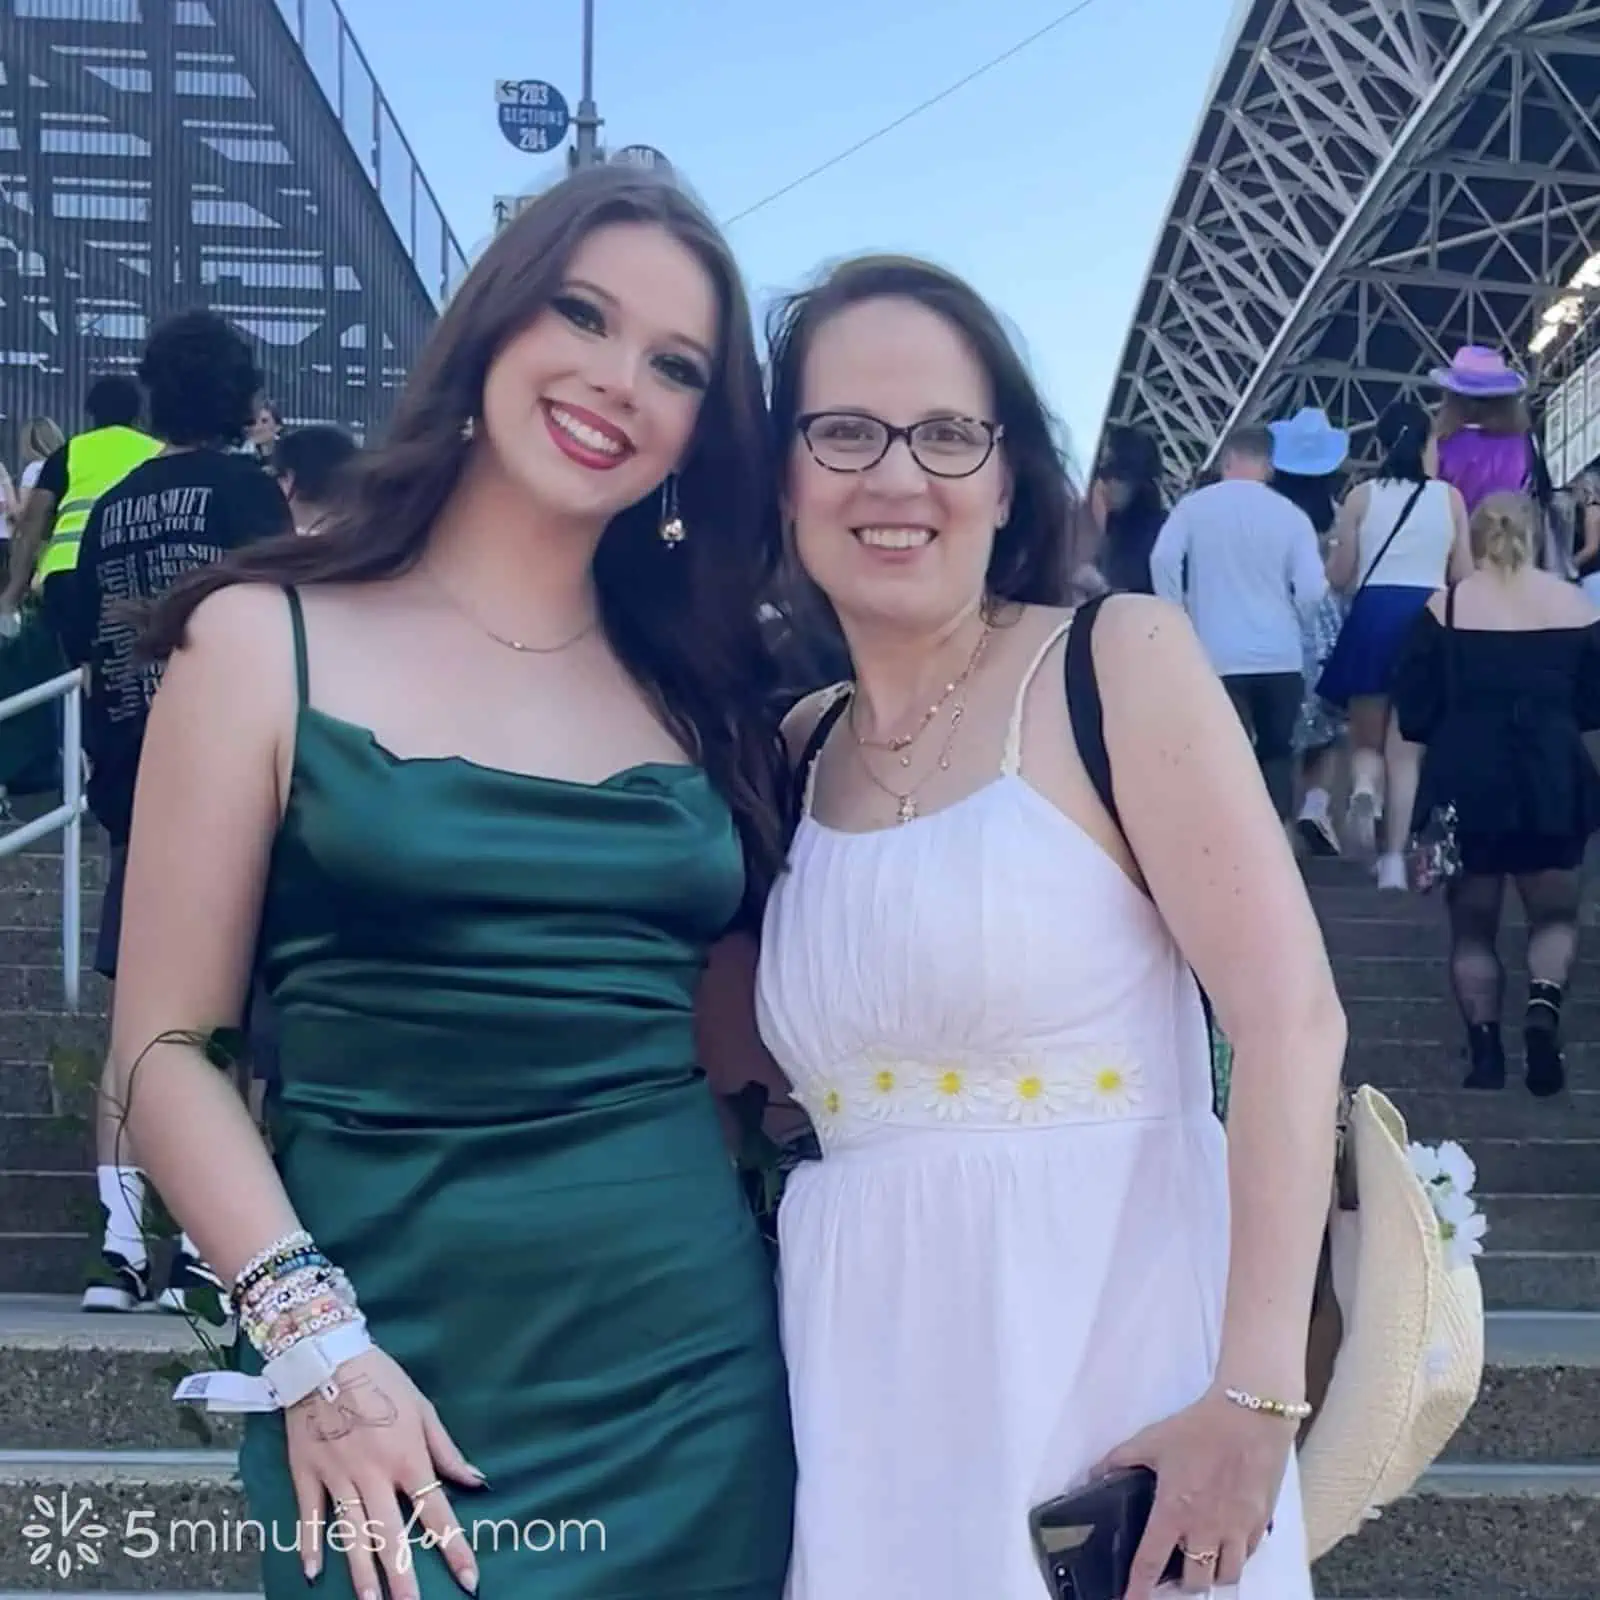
(1458, 1168)
(1461, 1227)
(1447, 1175)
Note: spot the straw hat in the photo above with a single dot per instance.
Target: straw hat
(1408, 1359)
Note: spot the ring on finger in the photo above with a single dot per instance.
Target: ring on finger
(342, 1506)
(414, 1495)
(1206, 1558)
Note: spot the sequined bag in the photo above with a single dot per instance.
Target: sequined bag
(1433, 854)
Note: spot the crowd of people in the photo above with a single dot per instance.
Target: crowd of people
(1422, 639)
(178, 466)
(639, 717)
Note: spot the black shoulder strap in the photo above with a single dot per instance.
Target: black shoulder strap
(1084, 707)
(1394, 533)
(1087, 713)
(813, 748)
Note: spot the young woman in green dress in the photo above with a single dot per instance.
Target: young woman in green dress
(483, 778)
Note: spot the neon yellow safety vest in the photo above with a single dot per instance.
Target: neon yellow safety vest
(96, 461)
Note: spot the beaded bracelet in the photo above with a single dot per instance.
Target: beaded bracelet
(263, 1262)
(1295, 1411)
(272, 1312)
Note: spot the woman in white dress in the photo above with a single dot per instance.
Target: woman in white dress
(1013, 1265)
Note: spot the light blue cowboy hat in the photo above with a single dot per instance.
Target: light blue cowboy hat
(1308, 445)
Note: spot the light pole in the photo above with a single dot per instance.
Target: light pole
(586, 146)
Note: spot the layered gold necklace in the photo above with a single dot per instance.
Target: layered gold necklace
(901, 746)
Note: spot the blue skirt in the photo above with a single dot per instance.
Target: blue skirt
(1363, 661)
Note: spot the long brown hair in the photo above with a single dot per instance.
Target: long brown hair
(1497, 414)
(682, 620)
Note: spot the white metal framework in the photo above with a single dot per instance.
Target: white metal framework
(1373, 183)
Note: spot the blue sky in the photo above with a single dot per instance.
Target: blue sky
(1043, 182)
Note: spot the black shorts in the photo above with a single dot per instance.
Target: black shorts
(260, 1022)
(105, 946)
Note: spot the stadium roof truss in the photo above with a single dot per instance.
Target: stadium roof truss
(1373, 183)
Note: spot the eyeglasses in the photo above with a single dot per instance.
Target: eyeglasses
(944, 447)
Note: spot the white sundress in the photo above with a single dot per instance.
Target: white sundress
(1012, 1255)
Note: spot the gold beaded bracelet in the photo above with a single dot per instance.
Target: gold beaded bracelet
(1296, 1411)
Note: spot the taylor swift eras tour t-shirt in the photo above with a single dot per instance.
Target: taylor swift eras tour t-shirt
(169, 516)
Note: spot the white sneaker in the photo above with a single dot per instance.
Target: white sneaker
(1361, 820)
(1392, 873)
(1315, 828)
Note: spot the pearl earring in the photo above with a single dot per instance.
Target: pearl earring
(672, 530)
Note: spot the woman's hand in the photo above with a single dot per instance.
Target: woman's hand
(378, 1443)
(1218, 1470)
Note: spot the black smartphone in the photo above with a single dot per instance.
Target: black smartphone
(1086, 1540)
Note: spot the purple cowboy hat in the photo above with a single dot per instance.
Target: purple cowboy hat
(1480, 374)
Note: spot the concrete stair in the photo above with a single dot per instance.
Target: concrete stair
(1512, 1512)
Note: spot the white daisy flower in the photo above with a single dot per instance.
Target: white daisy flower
(1457, 1167)
(1109, 1085)
(885, 1082)
(950, 1092)
(1030, 1092)
(1425, 1162)
(824, 1101)
(1463, 1239)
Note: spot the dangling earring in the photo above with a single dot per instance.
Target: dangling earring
(672, 530)
(469, 429)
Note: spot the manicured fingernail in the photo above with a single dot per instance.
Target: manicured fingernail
(469, 1580)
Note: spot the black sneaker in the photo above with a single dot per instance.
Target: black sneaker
(121, 1286)
(192, 1287)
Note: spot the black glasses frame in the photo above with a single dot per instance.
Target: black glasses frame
(994, 431)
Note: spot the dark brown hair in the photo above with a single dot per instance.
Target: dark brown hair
(1033, 555)
(1501, 414)
(682, 620)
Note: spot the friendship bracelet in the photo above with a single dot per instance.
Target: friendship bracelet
(263, 1259)
(1295, 1411)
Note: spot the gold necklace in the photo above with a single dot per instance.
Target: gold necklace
(901, 744)
(906, 799)
(515, 644)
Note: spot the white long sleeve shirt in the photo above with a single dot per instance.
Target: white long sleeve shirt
(1254, 574)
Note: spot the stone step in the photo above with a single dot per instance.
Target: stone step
(1540, 1399)
(25, 1089)
(32, 1035)
(1420, 1019)
(1472, 1532)
(1473, 1116)
(1540, 1280)
(1427, 977)
(47, 1263)
(62, 1144)
(1336, 902)
(41, 870)
(74, 1381)
(1437, 1062)
(154, 1520)
(1382, 936)
(1567, 1223)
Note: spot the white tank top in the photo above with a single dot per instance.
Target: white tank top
(1419, 555)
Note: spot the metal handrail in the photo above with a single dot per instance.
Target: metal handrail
(68, 816)
(439, 277)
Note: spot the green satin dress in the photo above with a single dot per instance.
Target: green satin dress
(491, 1116)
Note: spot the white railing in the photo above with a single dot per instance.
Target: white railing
(68, 816)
